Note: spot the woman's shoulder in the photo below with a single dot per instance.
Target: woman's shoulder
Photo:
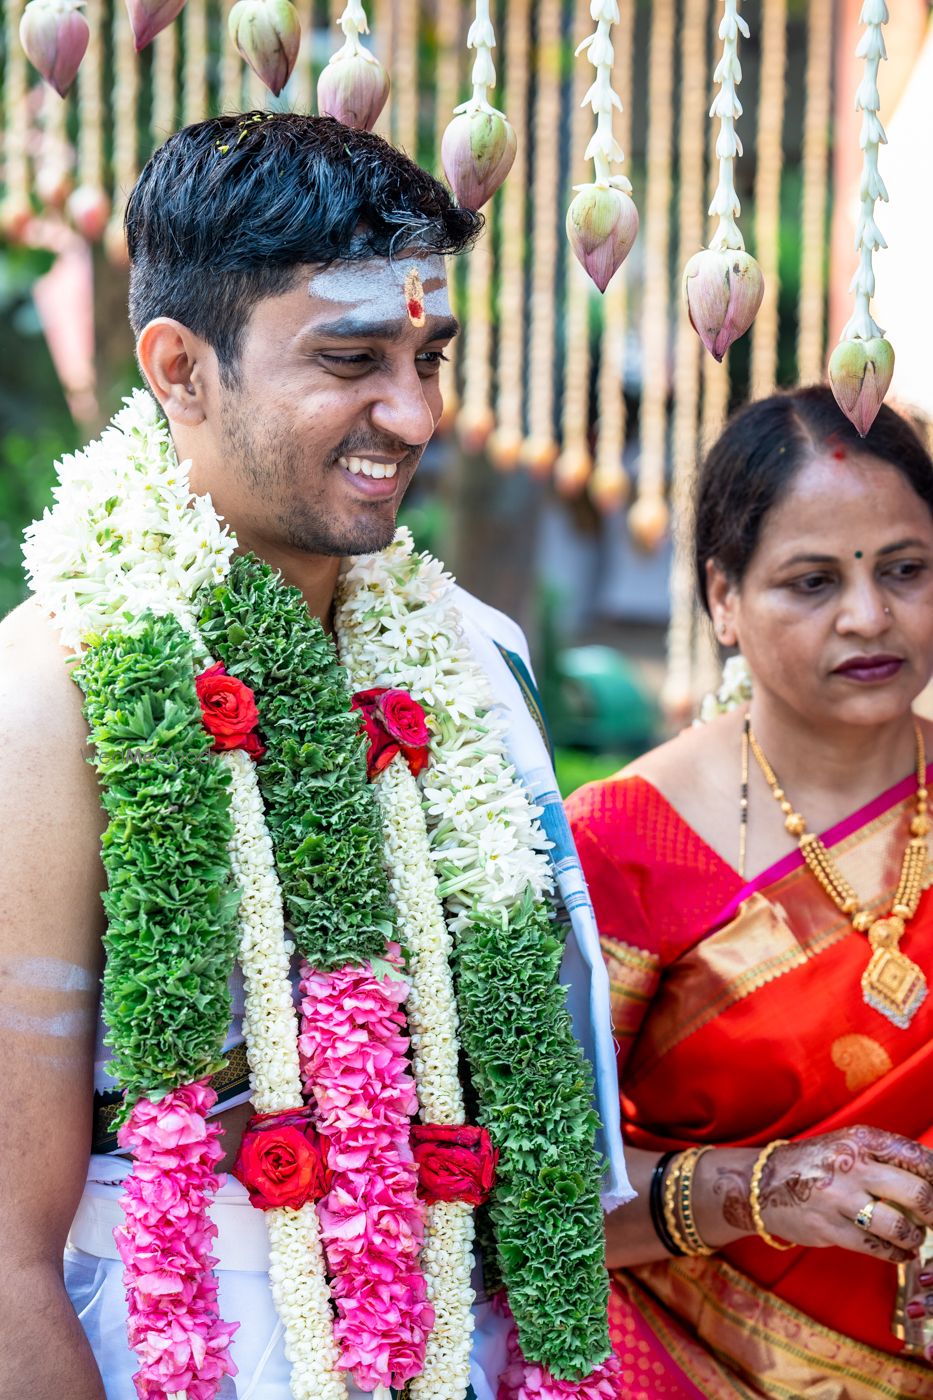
(681, 781)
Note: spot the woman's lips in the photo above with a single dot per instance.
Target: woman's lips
(869, 669)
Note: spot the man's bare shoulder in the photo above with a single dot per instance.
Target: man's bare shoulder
(45, 734)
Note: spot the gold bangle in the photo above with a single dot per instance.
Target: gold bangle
(670, 1203)
(754, 1187)
(695, 1242)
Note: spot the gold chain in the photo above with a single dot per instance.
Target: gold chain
(891, 982)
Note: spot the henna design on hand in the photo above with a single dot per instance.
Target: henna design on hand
(731, 1186)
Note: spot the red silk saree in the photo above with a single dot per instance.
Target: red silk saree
(739, 1018)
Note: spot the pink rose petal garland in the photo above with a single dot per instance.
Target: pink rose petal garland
(355, 1068)
(165, 1245)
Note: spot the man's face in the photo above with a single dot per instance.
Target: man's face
(337, 395)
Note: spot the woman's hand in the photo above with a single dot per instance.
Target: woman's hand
(811, 1192)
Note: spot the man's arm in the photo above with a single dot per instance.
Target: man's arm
(51, 923)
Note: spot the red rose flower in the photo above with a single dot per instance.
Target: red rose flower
(454, 1163)
(394, 723)
(281, 1160)
(228, 711)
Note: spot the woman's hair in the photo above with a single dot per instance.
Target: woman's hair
(751, 467)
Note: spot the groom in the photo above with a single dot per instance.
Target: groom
(289, 298)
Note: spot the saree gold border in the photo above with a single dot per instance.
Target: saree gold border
(633, 980)
(758, 946)
(772, 1353)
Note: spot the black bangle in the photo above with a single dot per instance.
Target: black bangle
(656, 1206)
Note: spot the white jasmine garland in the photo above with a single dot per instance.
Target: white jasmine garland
(446, 1258)
(302, 1300)
(398, 625)
(125, 533)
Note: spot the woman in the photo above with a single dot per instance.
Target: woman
(769, 998)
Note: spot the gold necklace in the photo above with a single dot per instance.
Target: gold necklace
(891, 983)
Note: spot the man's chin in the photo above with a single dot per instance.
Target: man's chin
(366, 536)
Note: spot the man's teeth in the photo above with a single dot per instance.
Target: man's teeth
(377, 470)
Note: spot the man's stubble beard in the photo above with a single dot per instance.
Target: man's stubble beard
(271, 467)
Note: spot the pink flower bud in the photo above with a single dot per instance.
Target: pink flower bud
(55, 35)
(353, 88)
(723, 290)
(860, 374)
(267, 34)
(89, 210)
(477, 151)
(602, 225)
(149, 17)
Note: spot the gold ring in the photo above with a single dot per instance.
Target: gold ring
(863, 1219)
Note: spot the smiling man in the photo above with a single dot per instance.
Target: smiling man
(289, 299)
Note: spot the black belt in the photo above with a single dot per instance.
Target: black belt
(229, 1081)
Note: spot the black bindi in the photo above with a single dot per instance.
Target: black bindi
(858, 554)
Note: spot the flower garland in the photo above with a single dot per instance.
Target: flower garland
(304, 839)
(170, 941)
(398, 625)
(325, 831)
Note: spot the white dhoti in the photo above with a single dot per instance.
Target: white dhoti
(94, 1280)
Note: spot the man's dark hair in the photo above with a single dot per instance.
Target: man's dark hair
(752, 467)
(226, 211)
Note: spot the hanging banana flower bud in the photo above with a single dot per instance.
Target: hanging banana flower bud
(602, 221)
(602, 225)
(354, 86)
(267, 34)
(477, 152)
(861, 366)
(479, 145)
(860, 374)
(55, 36)
(353, 89)
(149, 17)
(723, 289)
(723, 285)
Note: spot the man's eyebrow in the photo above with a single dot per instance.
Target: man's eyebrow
(352, 327)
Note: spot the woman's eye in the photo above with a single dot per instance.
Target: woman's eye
(811, 583)
(905, 569)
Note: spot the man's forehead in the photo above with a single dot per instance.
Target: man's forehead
(412, 287)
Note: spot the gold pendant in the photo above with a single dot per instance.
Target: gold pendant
(891, 983)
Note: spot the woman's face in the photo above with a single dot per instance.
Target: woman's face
(835, 612)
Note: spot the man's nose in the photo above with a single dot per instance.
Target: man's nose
(402, 411)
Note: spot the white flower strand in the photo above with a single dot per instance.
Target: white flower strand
(270, 1028)
(727, 107)
(431, 1006)
(868, 237)
(446, 1257)
(603, 148)
(401, 626)
(482, 38)
(297, 1273)
(125, 533)
(353, 22)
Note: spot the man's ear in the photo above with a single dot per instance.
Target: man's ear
(178, 365)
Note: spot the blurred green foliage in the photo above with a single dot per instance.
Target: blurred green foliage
(574, 767)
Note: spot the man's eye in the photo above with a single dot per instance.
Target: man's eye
(346, 359)
(431, 357)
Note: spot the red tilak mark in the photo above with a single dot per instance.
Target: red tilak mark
(839, 454)
(415, 310)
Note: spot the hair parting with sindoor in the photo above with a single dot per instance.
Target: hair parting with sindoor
(752, 465)
(229, 210)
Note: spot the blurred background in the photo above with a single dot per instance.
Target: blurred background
(558, 487)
